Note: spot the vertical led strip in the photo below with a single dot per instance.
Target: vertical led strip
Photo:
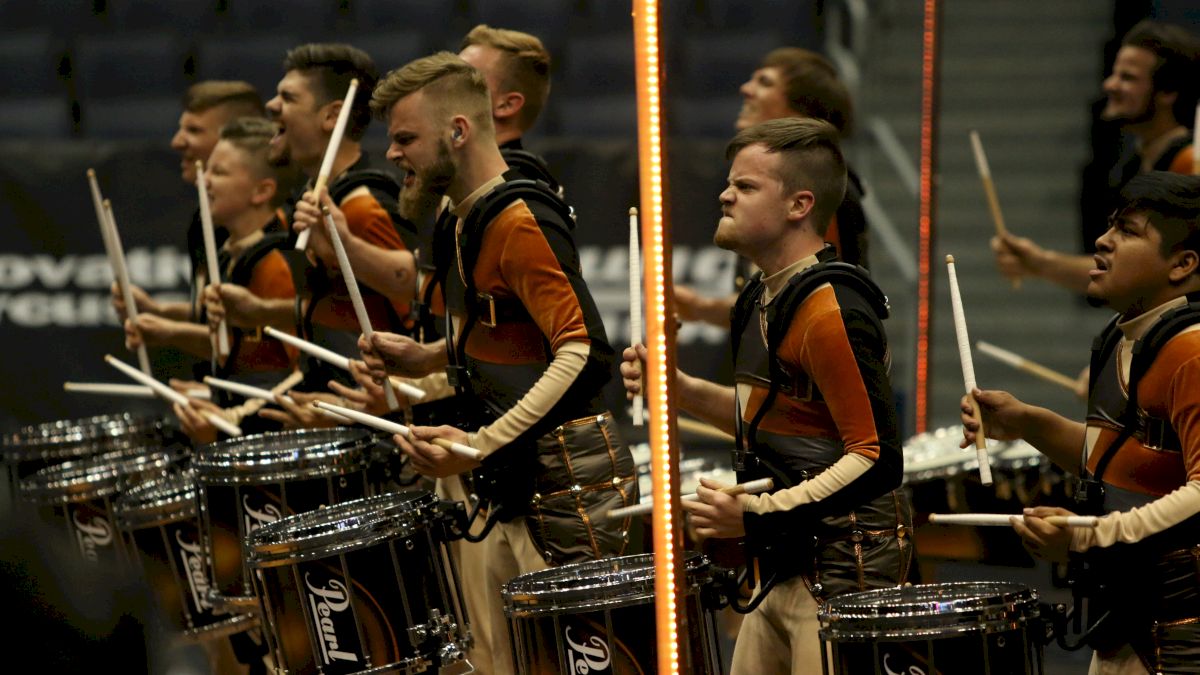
(930, 46)
(660, 330)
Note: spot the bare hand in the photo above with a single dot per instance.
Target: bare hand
(633, 364)
(715, 514)
(299, 413)
(399, 355)
(236, 304)
(142, 299)
(309, 216)
(1041, 539)
(148, 329)
(433, 460)
(193, 422)
(1017, 256)
(1003, 416)
(1082, 383)
(370, 397)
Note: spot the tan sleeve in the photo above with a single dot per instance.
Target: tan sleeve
(435, 385)
(564, 368)
(836, 477)
(1138, 523)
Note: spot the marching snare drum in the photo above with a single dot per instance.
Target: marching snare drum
(249, 481)
(972, 627)
(597, 617)
(79, 496)
(161, 520)
(362, 586)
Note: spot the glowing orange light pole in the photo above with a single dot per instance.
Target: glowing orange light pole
(930, 48)
(660, 332)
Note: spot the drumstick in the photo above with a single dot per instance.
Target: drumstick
(116, 257)
(130, 390)
(210, 251)
(245, 390)
(360, 309)
(331, 150)
(1196, 143)
(702, 429)
(171, 395)
(1002, 519)
(337, 360)
(989, 189)
(635, 305)
(964, 355)
(393, 428)
(749, 488)
(1022, 363)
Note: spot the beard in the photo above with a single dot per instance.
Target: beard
(419, 202)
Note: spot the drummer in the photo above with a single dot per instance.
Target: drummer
(815, 414)
(1140, 441)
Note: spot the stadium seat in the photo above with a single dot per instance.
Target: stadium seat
(44, 117)
(139, 117)
(31, 64)
(598, 116)
(599, 65)
(128, 65)
(256, 58)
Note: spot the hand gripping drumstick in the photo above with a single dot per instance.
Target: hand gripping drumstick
(210, 252)
(964, 355)
(1024, 364)
(1003, 519)
(749, 488)
(393, 428)
(635, 305)
(989, 188)
(116, 258)
(264, 395)
(172, 395)
(331, 150)
(337, 360)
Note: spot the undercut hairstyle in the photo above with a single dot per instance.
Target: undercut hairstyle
(525, 64)
(812, 86)
(331, 66)
(252, 135)
(810, 159)
(453, 86)
(241, 99)
(1177, 66)
(1171, 203)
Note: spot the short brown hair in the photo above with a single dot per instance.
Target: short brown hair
(812, 86)
(241, 98)
(1177, 66)
(455, 86)
(811, 159)
(331, 67)
(526, 66)
(252, 135)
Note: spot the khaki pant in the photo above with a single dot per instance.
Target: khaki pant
(1124, 662)
(780, 635)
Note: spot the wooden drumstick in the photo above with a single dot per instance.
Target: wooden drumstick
(393, 428)
(116, 258)
(964, 355)
(1004, 520)
(989, 189)
(171, 395)
(337, 360)
(104, 388)
(1024, 364)
(749, 488)
(635, 305)
(1196, 143)
(702, 429)
(331, 150)
(210, 252)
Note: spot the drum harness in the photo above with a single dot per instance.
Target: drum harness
(1083, 569)
(778, 317)
(506, 480)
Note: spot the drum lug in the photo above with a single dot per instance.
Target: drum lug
(436, 626)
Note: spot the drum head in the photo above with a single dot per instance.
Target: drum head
(935, 454)
(284, 455)
(340, 528)
(605, 583)
(157, 501)
(65, 439)
(97, 477)
(928, 610)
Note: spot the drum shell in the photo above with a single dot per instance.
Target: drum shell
(79, 496)
(248, 482)
(160, 520)
(598, 617)
(984, 627)
(360, 585)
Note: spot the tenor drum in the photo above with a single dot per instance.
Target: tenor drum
(249, 481)
(363, 586)
(161, 522)
(976, 627)
(598, 617)
(78, 496)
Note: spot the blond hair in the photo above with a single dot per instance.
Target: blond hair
(452, 85)
(240, 98)
(526, 66)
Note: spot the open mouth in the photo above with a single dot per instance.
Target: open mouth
(1100, 268)
(410, 178)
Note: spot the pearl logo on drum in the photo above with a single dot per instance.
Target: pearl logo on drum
(324, 603)
(191, 557)
(257, 518)
(912, 670)
(592, 654)
(92, 535)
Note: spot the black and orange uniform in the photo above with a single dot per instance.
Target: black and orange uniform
(815, 413)
(529, 346)
(1146, 550)
(256, 263)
